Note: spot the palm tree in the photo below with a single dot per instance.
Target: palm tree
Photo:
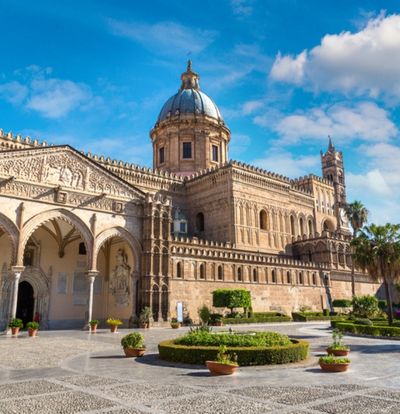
(357, 215)
(377, 250)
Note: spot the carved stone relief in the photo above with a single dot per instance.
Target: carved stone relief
(120, 280)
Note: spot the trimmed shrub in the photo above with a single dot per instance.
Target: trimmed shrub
(232, 298)
(296, 351)
(341, 303)
(204, 314)
(369, 330)
(365, 306)
(382, 304)
(258, 317)
(309, 316)
(201, 337)
(363, 321)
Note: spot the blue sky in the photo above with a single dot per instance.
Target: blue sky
(285, 74)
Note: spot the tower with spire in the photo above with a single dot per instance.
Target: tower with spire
(333, 170)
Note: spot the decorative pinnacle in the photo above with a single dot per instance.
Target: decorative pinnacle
(330, 146)
(190, 79)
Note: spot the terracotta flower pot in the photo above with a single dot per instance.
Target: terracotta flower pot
(32, 332)
(134, 352)
(338, 352)
(113, 328)
(219, 323)
(144, 325)
(175, 325)
(221, 369)
(15, 331)
(93, 328)
(334, 367)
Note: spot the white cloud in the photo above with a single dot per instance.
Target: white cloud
(364, 120)
(242, 8)
(165, 37)
(365, 62)
(13, 92)
(238, 145)
(284, 162)
(51, 97)
(54, 98)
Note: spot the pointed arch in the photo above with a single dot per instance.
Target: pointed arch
(11, 231)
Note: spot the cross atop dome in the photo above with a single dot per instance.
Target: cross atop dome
(190, 79)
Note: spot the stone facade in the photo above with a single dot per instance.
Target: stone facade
(83, 236)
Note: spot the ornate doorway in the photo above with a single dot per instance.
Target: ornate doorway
(26, 302)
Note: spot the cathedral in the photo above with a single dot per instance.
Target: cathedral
(86, 237)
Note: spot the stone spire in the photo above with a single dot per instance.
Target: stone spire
(190, 79)
(331, 147)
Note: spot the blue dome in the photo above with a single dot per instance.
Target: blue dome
(190, 101)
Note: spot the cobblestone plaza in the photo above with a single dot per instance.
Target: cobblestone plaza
(75, 371)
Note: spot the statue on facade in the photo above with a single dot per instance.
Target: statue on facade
(120, 279)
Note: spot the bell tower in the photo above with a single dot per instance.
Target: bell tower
(333, 170)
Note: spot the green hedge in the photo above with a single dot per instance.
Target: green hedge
(258, 318)
(342, 303)
(297, 351)
(310, 316)
(368, 330)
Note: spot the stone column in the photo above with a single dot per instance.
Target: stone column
(91, 275)
(17, 270)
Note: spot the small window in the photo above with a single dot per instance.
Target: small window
(301, 280)
(182, 227)
(161, 155)
(239, 274)
(288, 277)
(178, 270)
(263, 220)
(215, 153)
(220, 273)
(314, 279)
(255, 276)
(82, 248)
(187, 150)
(202, 273)
(200, 222)
(273, 277)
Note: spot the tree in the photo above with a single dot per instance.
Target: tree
(357, 215)
(377, 250)
(232, 298)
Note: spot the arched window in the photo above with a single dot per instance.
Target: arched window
(201, 272)
(263, 220)
(200, 222)
(309, 256)
(239, 274)
(288, 277)
(82, 248)
(310, 229)
(301, 280)
(273, 276)
(292, 230)
(301, 226)
(255, 276)
(220, 274)
(314, 279)
(179, 270)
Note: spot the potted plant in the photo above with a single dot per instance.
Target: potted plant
(133, 345)
(93, 325)
(174, 323)
(225, 363)
(337, 348)
(114, 323)
(33, 328)
(331, 363)
(15, 325)
(216, 319)
(144, 317)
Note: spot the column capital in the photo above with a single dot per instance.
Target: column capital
(17, 269)
(92, 273)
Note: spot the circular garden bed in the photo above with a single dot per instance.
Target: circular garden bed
(251, 348)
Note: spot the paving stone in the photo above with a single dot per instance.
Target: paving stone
(359, 404)
(20, 389)
(63, 403)
(213, 404)
(285, 395)
(146, 393)
(389, 394)
(126, 411)
(90, 381)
